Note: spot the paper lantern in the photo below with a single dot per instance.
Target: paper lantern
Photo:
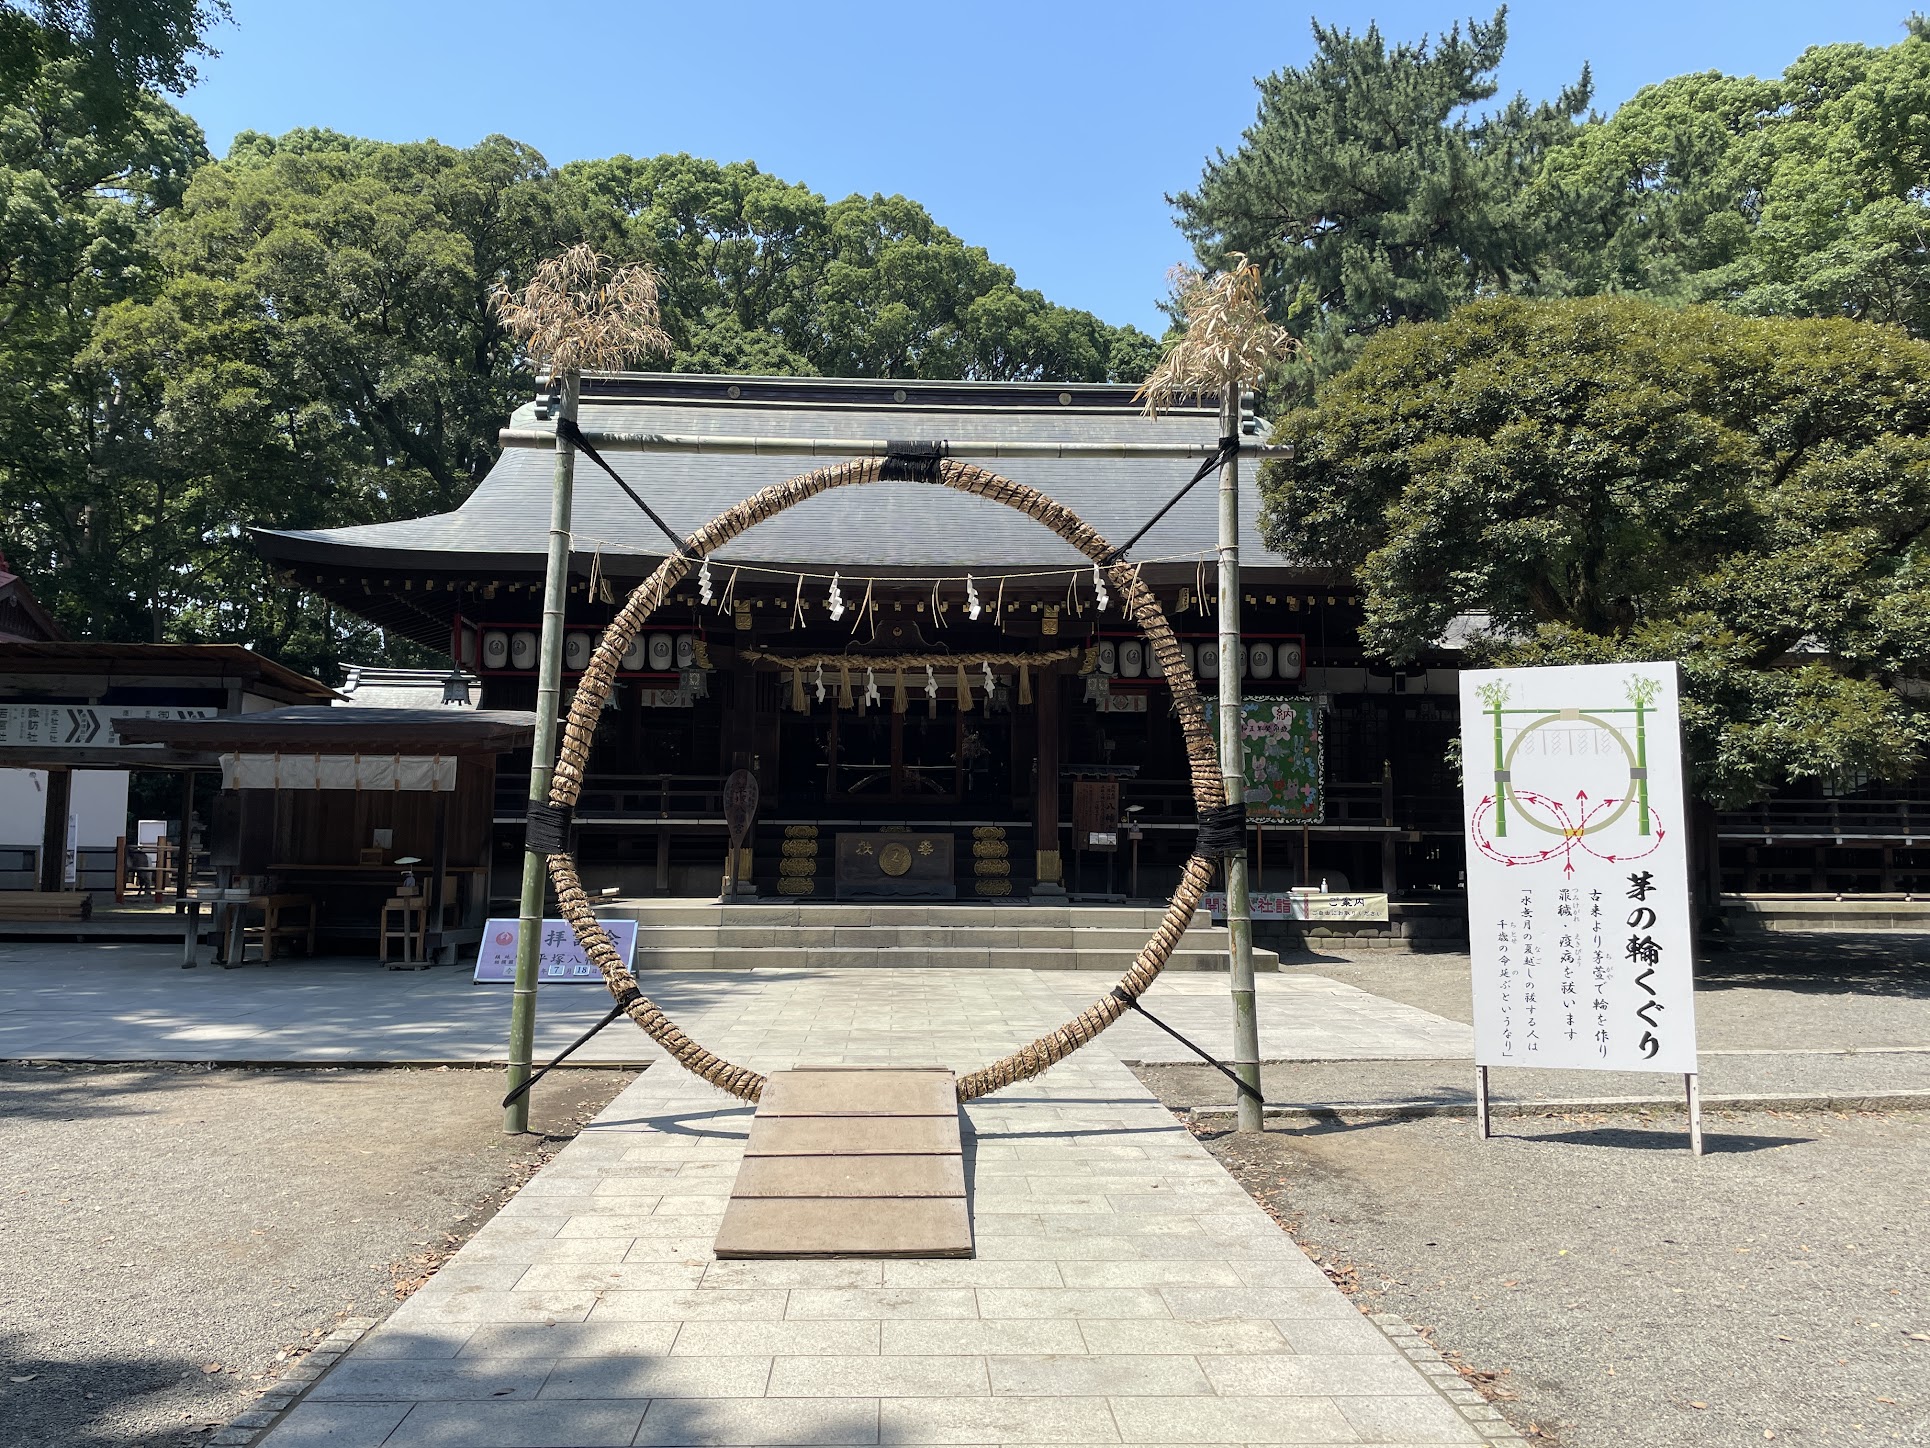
(633, 656)
(1290, 661)
(576, 650)
(522, 649)
(663, 652)
(495, 649)
(1209, 661)
(686, 651)
(1132, 658)
(1260, 660)
(1108, 658)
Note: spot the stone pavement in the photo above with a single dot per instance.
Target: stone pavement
(1126, 1290)
(104, 1002)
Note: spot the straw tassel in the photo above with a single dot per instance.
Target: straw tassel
(964, 692)
(844, 686)
(900, 699)
(797, 692)
(1025, 684)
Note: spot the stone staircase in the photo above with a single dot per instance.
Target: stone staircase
(704, 935)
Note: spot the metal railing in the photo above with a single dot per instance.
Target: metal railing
(1798, 820)
(626, 797)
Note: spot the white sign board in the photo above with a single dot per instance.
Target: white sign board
(79, 726)
(1301, 905)
(1578, 874)
(558, 956)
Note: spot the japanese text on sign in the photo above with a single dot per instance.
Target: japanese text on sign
(1578, 889)
(558, 956)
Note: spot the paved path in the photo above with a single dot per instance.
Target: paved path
(134, 1003)
(1126, 1290)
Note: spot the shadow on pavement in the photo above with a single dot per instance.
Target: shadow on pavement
(1822, 964)
(1640, 1138)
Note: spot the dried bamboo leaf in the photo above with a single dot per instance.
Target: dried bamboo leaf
(1230, 341)
(582, 313)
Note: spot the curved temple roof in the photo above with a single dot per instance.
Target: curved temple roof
(883, 526)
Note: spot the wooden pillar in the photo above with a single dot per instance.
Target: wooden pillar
(434, 904)
(184, 855)
(53, 830)
(1048, 869)
(1389, 856)
(740, 716)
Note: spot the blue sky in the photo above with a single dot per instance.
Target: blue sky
(1047, 133)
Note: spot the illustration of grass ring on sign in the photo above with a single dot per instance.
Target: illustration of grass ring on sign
(1568, 781)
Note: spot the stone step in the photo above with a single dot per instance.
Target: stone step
(912, 937)
(786, 915)
(836, 957)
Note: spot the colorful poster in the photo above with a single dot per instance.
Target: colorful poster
(1578, 875)
(558, 957)
(1283, 757)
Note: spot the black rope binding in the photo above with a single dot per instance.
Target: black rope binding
(911, 462)
(623, 1004)
(549, 827)
(1119, 994)
(1222, 831)
(567, 428)
(1228, 447)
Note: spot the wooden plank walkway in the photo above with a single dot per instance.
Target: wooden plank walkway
(851, 1162)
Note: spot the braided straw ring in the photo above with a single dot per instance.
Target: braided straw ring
(594, 689)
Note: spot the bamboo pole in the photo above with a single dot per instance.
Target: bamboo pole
(549, 681)
(1239, 905)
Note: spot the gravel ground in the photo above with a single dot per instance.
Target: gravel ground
(1611, 1288)
(1775, 992)
(175, 1235)
(1615, 1292)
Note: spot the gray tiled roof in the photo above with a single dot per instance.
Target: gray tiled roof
(884, 525)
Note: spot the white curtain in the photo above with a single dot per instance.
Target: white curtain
(339, 771)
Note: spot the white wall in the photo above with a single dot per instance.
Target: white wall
(96, 806)
(23, 807)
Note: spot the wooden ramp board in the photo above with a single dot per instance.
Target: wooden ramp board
(852, 1161)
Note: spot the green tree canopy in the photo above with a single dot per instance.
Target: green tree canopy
(1612, 479)
(1370, 193)
(1797, 196)
(116, 53)
(78, 201)
(320, 350)
(299, 335)
(762, 275)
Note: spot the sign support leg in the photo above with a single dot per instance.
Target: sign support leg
(1481, 1122)
(1693, 1085)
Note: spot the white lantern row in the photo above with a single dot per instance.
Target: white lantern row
(1263, 659)
(657, 653)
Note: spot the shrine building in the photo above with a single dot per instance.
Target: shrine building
(817, 649)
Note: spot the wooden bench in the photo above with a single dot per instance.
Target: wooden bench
(271, 928)
(25, 905)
